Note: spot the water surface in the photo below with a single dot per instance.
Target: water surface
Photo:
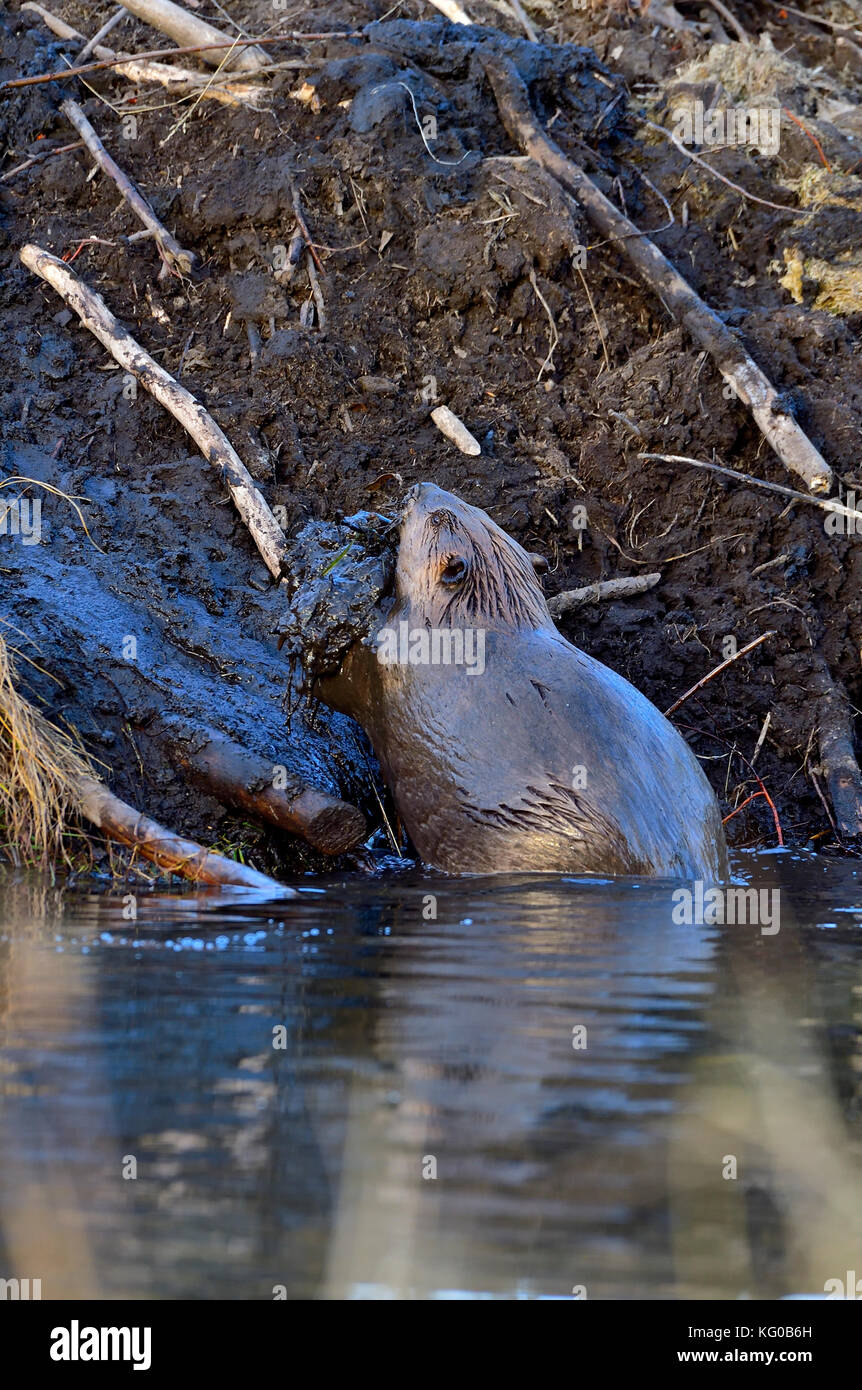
(419, 1086)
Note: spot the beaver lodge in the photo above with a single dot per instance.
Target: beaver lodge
(595, 268)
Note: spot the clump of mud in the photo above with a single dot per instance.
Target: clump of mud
(338, 576)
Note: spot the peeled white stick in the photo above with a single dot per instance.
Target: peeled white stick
(171, 75)
(452, 10)
(186, 30)
(170, 852)
(449, 424)
(183, 260)
(212, 442)
(601, 591)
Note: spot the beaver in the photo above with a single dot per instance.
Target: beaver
(505, 747)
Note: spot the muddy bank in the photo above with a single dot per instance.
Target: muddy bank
(449, 275)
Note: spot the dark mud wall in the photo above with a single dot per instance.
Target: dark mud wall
(442, 273)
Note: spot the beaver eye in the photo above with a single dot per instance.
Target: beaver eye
(455, 571)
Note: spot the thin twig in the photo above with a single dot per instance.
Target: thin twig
(170, 53)
(817, 19)
(40, 158)
(317, 292)
(717, 671)
(813, 138)
(524, 20)
(452, 10)
(826, 504)
(595, 316)
(555, 337)
(102, 33)
(175, 254)
(303, 226)
(737, 187)
(734, 750)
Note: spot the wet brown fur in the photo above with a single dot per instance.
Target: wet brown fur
(481, 765)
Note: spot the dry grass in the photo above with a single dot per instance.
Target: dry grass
(40, 768)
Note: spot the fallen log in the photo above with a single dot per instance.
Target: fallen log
(244, 782)
(47, 780)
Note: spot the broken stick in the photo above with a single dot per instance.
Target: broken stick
(157, 845)
(178, 80)
(572, 599)
(837, 757)
(454, 429)
(212, 442)
(186, 29)
(790, 443)
(169, 246)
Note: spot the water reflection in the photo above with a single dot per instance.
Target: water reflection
(547, 1086)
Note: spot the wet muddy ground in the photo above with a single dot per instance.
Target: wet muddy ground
(448, 276)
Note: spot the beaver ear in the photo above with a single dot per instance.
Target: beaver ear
(539, 563)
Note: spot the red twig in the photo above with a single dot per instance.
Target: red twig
(762, 792)
(811, 137)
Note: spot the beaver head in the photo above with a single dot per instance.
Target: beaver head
(456, 568)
